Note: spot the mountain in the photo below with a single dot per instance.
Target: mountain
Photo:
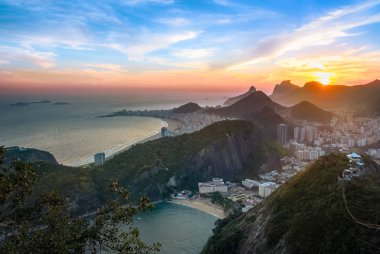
(231, 150)
(266, 120)
(362, 98)
(187, 108)
(254, 102)
(309, 112)
(232, 100)
(313, 212)
(284, 88)
(27, 155)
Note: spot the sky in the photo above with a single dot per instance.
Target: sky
(178, 45)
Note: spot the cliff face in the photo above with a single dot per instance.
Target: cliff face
(313, 212)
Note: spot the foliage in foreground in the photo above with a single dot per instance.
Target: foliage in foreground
(44, 224)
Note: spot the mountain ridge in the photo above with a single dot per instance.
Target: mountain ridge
(232, 100)
(360, 98)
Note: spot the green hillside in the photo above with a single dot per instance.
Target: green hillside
(311, 213)
(228, 149)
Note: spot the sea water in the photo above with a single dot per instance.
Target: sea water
(72, 133)
(179, 229)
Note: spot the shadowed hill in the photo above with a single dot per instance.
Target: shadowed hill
(28, 155)
(267, 120)
(253, 102)
(187, 108)
(308, 111)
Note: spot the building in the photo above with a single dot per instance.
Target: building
(296, 134)
(164, 132)
(216, 185)
(99, 159)
(302, 134)
(282, 134)
(248, 183)
(265, 189)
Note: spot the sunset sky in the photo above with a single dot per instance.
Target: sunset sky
(219, 45)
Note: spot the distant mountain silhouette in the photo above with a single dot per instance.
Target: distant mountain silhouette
(232, 100)
(187, 108)
(362, 98)
(284, 88)
(254, 102)
(309, 112)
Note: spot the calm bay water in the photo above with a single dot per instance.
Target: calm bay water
(180, 229)
(71, 133)
(74, 132)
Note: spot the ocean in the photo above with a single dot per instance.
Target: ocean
(73, 133)
(179, 229)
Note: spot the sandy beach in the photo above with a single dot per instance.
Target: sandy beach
(170, 124)
(202, 205)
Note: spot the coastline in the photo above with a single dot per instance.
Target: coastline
(202, 205)
(169, 123)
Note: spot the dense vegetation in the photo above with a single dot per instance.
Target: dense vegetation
(43, 223)
(189, 158)
(311, 213)
(229, 149)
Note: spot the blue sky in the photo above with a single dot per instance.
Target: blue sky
(246, 41)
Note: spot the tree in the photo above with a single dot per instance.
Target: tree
(43, 224)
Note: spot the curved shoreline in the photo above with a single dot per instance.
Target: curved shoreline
(169, 123)
(201, 205)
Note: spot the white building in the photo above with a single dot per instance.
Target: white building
(248, 183)
(216, 185)
(265, 189)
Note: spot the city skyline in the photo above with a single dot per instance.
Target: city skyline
(216, 45)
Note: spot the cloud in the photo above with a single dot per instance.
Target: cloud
(221, 2)
(104, 67)
(147, 42)
(194, 53)
(322, 31)
(135, 2)
(31, 56)
(174, 21)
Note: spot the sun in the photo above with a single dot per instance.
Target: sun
(323, 77)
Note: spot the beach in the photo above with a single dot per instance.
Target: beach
(117, 149)
(170, 124)
(202, 205)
